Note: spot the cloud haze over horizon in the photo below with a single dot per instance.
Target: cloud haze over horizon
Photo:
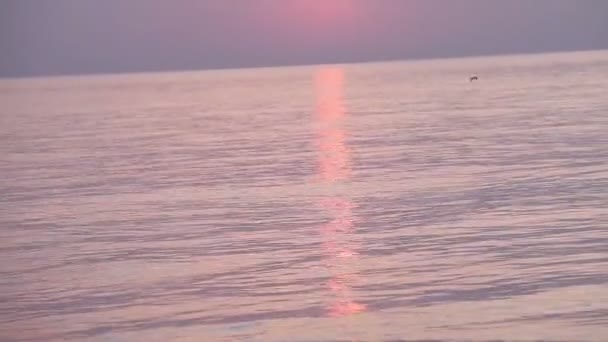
(91, 36)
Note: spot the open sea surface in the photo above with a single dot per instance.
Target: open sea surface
(363, 202)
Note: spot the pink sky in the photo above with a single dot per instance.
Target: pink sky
(84, 36)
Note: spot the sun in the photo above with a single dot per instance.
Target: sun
(324, 12)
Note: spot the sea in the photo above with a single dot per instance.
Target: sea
(394, 201)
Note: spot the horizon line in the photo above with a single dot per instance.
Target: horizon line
(289, 65)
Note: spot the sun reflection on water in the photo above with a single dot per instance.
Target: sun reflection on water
(334, 166)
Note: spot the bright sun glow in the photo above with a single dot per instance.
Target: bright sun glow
(324, 12)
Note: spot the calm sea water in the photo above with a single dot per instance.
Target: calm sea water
(354, 203)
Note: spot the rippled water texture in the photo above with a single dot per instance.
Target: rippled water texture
(358, 203)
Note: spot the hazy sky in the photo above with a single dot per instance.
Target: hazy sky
(91, 36)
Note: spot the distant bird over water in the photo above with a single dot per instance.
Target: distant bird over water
(473, 78)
